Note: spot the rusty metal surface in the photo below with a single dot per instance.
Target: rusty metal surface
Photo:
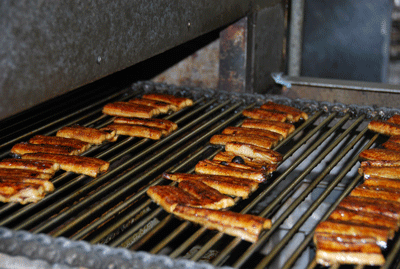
(50, 47)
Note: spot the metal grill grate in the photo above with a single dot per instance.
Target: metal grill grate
(319, 169)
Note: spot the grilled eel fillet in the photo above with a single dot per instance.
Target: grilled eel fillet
(130, 110)
(77, 164)
(62, 141)
(225, 156)
(376, 154)
(16, 172)
(214, 168)
(377, 192)
(162, 106)
(294, 114)
(391, 145)
(347, 249)
(392, 172)
(87, 134)
(24, 148)
(138, 131)
(246, 226)
(168, 197)
(234, 186)
(382, 182)
(344, 214)
(262, 114)
(394, 119)
(282, 128)
(180, 102)
(363, 204)
(379, 233)
(256, 140)
(34, 165)
(251, 151)
(384, 127)
(45, 183)
(162, 124)
(23, 190)
(252, 131)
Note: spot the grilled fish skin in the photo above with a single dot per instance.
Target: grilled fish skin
(294, 113)
(180, 102)
(382, 182)
(377, 154)
(391, 172)
(225, 156)
(282, 128)
(46, 184)
(267, 155)
(256, 140)
(343, 249)
(391, 145)
(394, 138)
(24, 148)
(344, 214)
(138, 131)
(381, 234)
(394, 119)
(262, 114)
(34, 165)
(86, 134)
(162, 106)
(163, 124)
(384, 127)
(264, 169)
(214, 168)
(233, 186)
(130, 110)
(362, 204)
(15, 172)
(252, 131)
(377, 192)
(77, 164)
(62, 141)
(377, 163)
(245, 226)
(210, 197)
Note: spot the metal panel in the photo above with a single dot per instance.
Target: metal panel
(50, 47)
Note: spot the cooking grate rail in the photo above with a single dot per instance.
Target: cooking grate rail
(114, 209)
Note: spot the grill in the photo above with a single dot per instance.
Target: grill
(109, 222)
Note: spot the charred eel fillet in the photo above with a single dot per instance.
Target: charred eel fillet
(162, 124)
(347, 249)
(388, 194)
(86, 134)
(127, 109)
(264, 169)
(214, 168)
(377, 154)
(77, 164)
(162, 106)
(384, 127)
(262, 114)
(362, 204)
(16, 172)
(34, 165)
(382, 182)
(294, 114)
(211, 197)
(62, 141)
(381, 234)
(24, 148)
(282, 128)
(252, 131)
(225, 156)
(256, 140)
(180, 102)
(24, 191)
(245, 226)
(344, 214)
(392, 172)
(251, 151)
(138, 131)
(234, 186)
